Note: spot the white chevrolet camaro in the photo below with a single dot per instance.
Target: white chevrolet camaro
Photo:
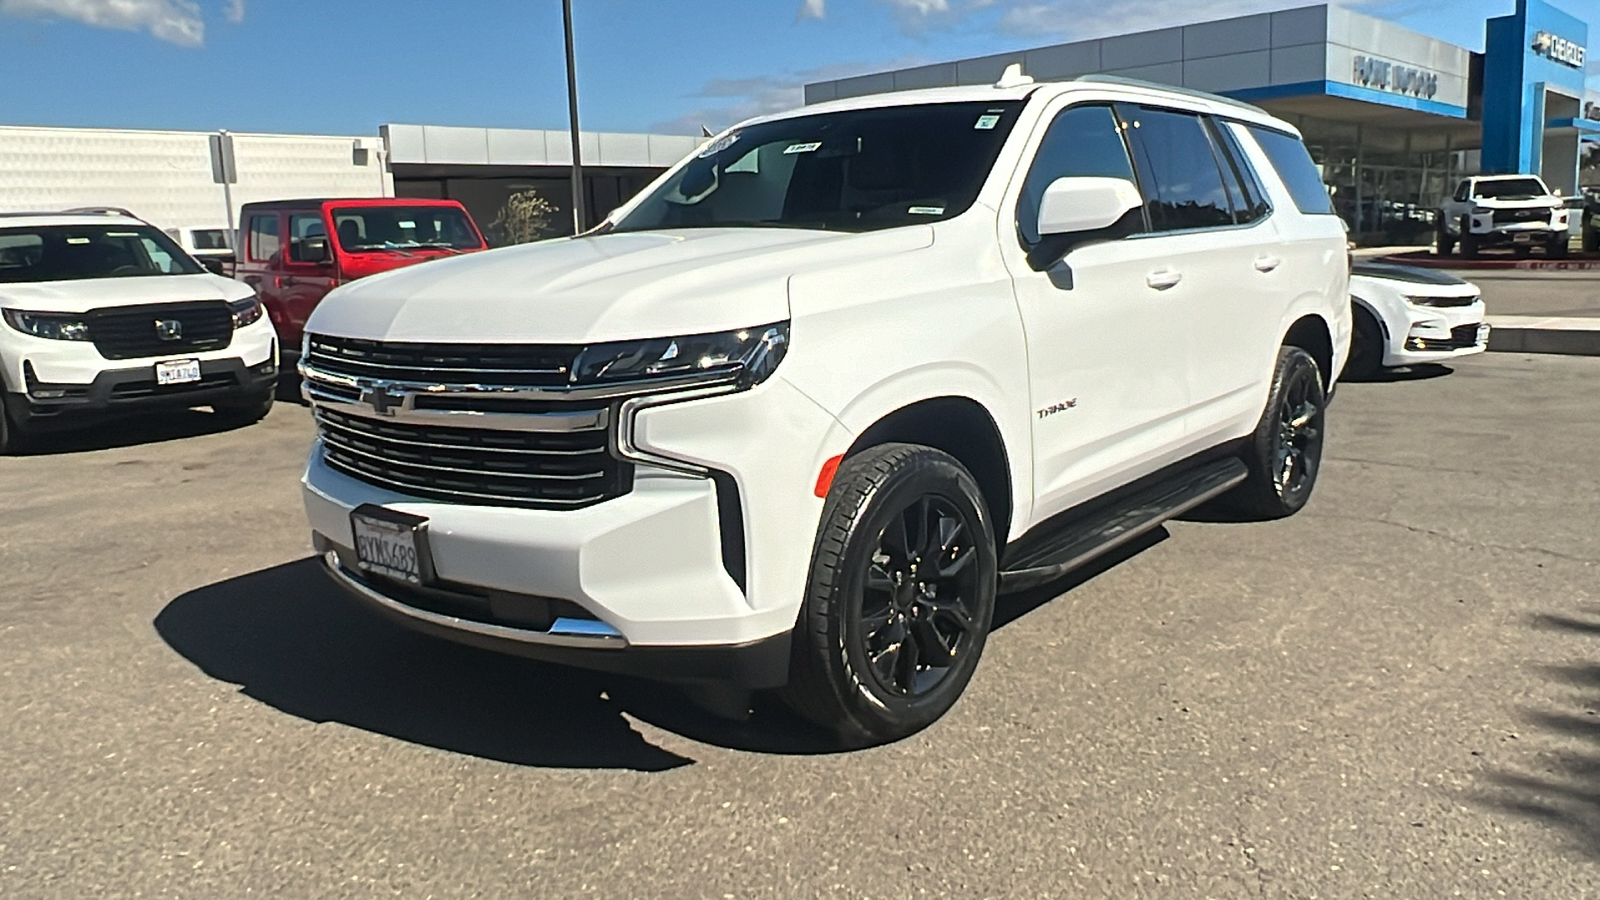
(1406, 316)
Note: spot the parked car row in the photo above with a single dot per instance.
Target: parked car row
(794, 416)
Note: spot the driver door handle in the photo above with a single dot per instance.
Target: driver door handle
(1162, 279)
(1267, 263)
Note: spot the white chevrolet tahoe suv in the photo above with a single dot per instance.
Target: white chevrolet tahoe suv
(105, 315)
(793, 416)
(1516, 211)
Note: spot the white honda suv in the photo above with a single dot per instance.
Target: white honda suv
(106, 315)
(796, 414)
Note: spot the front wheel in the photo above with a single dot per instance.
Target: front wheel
(1469, 242)
(1284, 454)
(1443, 243)
(1557, 248)
(244, 412)
(1366, 347)
(900, 598)
(13, 436)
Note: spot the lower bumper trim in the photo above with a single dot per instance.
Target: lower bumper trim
(587, 644)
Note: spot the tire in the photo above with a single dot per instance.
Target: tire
(1557, 249)
(1366, 347)
(14, 438)
(1522, 251)
(1591, 240)
(244, 412)
(1284, 454)
(1469, 242)
(866, 605)
(1443, 243)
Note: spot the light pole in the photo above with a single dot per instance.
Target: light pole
(572, 109)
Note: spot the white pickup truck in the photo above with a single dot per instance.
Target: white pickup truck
(793, 416)
(1516, 211)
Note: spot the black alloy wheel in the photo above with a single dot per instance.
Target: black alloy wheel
(1443, 243)
(900, 598)
(1469, 241)
(918, 611)
(1284, 455)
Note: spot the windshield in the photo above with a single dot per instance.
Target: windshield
(74, 252)
(1513, 187)
(371, 229)
(859, 170)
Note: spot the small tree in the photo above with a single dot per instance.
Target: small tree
(525, 217)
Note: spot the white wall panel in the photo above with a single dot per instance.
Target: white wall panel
(1228, 73)
(1307, 25)
(1144, 49)
(1296, 65)
(1229, 36)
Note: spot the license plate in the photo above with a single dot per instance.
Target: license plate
(1483, 334)
(392, 544)
(177, 371)
(1522, 238)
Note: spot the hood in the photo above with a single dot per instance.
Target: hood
(600, 288)
(94, 293)
(1407, 274)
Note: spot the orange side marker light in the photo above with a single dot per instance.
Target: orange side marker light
(825, 477)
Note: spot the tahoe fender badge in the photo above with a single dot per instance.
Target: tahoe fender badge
(1054, 408)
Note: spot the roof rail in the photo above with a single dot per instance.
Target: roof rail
(1170, 89)
(98, 211)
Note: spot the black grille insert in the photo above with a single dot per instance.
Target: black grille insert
(536, 470)
(515, 365)
(132, 332)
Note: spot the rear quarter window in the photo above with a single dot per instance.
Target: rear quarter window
(1294, 165)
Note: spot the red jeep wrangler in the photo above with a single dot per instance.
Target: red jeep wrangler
(293, 252)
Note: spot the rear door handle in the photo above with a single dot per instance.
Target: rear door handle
(1267, 263)
(1161, 279)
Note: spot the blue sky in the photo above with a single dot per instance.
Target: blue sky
(347, 66)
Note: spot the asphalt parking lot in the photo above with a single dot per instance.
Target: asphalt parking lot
(1394, 694)
(1523, 292)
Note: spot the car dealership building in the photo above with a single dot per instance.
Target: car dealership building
(1393, 117)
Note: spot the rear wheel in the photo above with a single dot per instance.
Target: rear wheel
(1366, 347)
(1285, 453)
(1557, 248)
(1591, 240)
(900, 598)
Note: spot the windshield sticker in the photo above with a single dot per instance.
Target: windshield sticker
(802, 148)
(926, 211)
(718, 145)
(72, 240)
(122, 234)
(986, 123)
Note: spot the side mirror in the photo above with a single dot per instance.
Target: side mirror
(1080, 205)
(315, 250)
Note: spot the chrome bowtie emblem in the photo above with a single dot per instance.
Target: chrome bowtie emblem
(169, 329)
(382, 397)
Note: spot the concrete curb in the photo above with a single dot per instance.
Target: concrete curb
(1427, 260)
(1568, 336)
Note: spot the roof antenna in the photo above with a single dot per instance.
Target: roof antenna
(1013, 77)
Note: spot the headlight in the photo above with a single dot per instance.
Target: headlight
(246, 311)
(753, 352)
(1441, 302)
(55, 326)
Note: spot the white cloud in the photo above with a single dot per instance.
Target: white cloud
(177, 21)
(812, 9)
(234, 11)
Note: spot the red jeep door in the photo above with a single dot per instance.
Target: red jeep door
(258, 263)
(305, 281)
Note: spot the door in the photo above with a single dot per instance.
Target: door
(1217, 243)
(1107, 358)
(304, 282)
(259, 259)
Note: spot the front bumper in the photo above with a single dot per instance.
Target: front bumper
(1436, 334)
(126, 391)
(690, 576)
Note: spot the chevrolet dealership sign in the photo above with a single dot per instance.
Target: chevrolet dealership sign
(1389, 76)
(1559, 49)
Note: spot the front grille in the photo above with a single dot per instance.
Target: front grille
(535, 470)
(512, 365)
(130, 332)
(1461, 337)
(1520, 216)
(128, 390)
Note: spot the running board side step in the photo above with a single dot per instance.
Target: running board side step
(1103, 530)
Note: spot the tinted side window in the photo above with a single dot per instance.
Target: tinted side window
(1293, 162)
(1244, 190)
(1181, 181)
(302, 226)
(1461, 190)
(1082, 141)
(264, 240)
